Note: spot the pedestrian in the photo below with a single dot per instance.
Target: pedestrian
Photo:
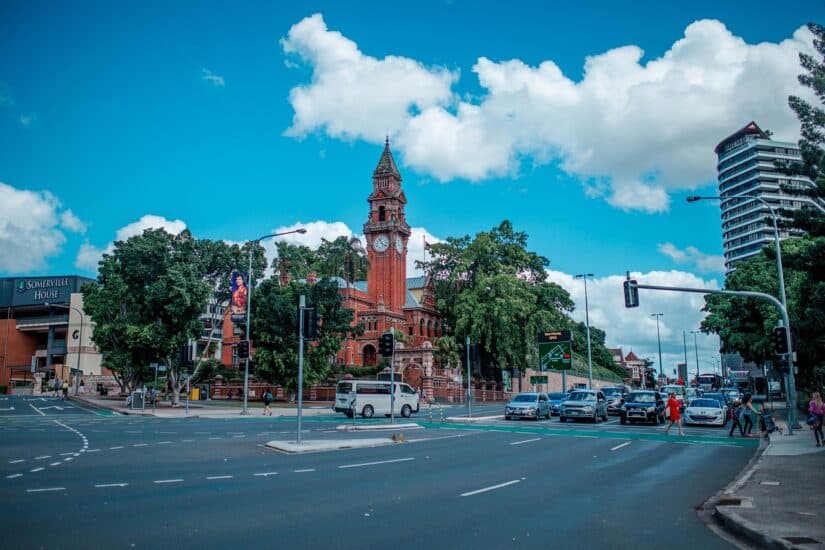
(229, 394)
(267, 397)
(745, 410)
(65, 388)
(674, 407)
(56, 386)
(82, 386)
(736, 416)
(817, 411)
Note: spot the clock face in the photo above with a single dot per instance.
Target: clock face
(399, 245)
(381, 243)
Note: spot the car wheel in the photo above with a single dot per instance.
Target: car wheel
(506, 417)
(595, 419)
(622, 420)
(562, 419)
(406, 411)
(604, 417)
(367, 411)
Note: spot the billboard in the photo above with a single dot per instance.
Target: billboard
(240, 295)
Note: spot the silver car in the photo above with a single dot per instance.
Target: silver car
(528, 405)
(584, 404)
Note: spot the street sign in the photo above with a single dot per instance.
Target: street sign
(556, 355)
(555, 336)
(538, 380)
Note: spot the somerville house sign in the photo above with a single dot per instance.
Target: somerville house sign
(23, 291)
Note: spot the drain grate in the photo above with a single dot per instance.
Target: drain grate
(801, 540)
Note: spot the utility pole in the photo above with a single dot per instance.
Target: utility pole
(659, 339)
(587, 320)
(302, 303)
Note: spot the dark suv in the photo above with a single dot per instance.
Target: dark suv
(644, 406)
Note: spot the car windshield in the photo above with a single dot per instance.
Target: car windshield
(707, 403)
(641, 398)
(678, 390)
(612, 392)
(582, 396)
(557, 396)
(525, 398)
(715, 396)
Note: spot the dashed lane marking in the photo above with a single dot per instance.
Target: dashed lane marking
(617, 447)
(116, 447)
(164, 442)
(161, 481)
(45, 490)
(305, 470)
(140, 445)
(525, 441)
(17, 461)
(266, 474)
(102, 485)
(372, 463)
(36, 470)
(12, 476)
(491, 488)
(218, 477)
(42, 457)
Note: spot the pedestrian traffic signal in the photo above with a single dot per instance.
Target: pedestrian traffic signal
(780, 340)
(312, 323)
(243, 349)
(386, 344)
(631, 293)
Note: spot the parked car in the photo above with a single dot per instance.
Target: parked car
(642, 406)
(614, 396)
(528, 405)
(584, 404)
(692, 393)
(556, 399)
(706, 411)
(718, 396)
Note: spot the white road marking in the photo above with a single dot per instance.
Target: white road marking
(218, 477)
(114, 448)
(164, 442)
(617, 447)
(214, 438)
(55, 464)
(140, 445)
(491, 488)
(45, 489)
(68, 458)
(266, 474)
(168, 481)
(374, 463)
(42, 457)
(525, 441)
(238, 436)
(187, 440)
(133, 432)
(304, 470)
(111, 485)
(36, 470)
(93, 451)
(16, 461)
(12, 476)
(587, 436)
(41, 413)
(66, 454)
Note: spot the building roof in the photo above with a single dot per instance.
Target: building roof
(750, 128)
(386, 165)
(631, 357)
(411, 301)
(416, 282)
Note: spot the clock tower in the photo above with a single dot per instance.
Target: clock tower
(386, 233)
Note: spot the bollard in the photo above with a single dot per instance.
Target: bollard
(441, 411)
(431, 413)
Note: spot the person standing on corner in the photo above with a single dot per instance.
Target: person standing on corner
(267, 397)
(746, 410)
(817, 409)
(675, 414)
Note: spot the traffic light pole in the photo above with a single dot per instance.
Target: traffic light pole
(791, 387)
(392, 382)
(302, 302)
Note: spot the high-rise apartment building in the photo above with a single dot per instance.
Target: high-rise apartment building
(747, 172)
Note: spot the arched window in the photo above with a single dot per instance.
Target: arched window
(429, 328)
(421, 328)
(410, 330)
(369, 355)
(382, 214)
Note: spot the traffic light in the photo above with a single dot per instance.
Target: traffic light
(184, 358)
(631, 293)
(780, 340)
(312, 323)
(243, 349)
(386, 344)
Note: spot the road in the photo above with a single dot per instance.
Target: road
(72, 478)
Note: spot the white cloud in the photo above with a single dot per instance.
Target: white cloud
(634, 328)
(70, 222)
(630, 131)
(89, 255)
(692, 256)
(209, 76)
(30, 228)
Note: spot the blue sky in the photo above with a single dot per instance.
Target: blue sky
(585, 125)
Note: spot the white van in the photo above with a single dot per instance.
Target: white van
(370, 397)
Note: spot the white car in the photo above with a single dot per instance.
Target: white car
(709, 412)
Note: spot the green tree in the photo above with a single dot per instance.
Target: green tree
(275, 331)
(147, 304)
(342, 257)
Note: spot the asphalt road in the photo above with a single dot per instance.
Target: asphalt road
(73, 478)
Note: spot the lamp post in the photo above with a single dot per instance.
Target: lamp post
(791, 393)
(249, 309)
(587, 321)
(659, 339)
(79, 344)
(696, 350)
(684, 343)
(354, 247)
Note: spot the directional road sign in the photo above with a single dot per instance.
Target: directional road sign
(555, 350)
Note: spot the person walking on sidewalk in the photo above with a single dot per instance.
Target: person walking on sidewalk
(817, 409)
(267, 397)
(675, 417)
(746, 411)
(736, 418)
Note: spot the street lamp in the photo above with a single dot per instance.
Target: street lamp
(696, 351)
(659, 339)
(249, 310)
(791, 397)
(78, 372)
(587, 320)
(354, 247)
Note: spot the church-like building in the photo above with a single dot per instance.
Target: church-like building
(388, 299)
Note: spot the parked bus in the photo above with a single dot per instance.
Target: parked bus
(709, 382)
(371, 397)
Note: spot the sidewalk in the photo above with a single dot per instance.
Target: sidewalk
(199, 409)
(778, 501)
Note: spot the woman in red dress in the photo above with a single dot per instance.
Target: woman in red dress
(675, 418)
